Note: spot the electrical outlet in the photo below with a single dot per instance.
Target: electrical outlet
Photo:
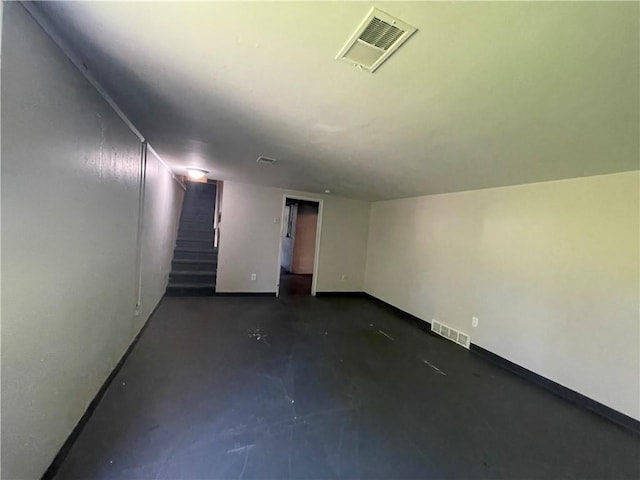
(253, 277)
(136, 311)
(474, 321)
(343, 278)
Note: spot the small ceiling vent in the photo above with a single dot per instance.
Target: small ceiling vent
(377, 37)
(266, 160)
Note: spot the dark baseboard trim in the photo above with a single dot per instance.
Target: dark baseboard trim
(189, 292)
(244, 294)
(341, 294)
(421, 324)
(51, 472)
(560, 390)
(572, 396)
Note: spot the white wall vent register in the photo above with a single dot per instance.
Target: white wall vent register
(377, 37)
(451, 333)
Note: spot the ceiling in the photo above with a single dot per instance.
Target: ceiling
(483, 95)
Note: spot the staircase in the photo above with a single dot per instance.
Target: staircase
(195, 259)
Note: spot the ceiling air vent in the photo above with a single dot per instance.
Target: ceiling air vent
(266, 160)
(377, 37)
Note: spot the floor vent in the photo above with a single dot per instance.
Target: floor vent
(450, 333)
(375, 39)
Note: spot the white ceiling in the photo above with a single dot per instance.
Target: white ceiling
(484, 94)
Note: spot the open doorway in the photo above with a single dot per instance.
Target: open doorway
(301, 220)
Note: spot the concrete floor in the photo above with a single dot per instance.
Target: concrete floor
(299, 387)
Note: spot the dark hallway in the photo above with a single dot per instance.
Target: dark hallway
(294, 284)
(298, 247)
(331, 388)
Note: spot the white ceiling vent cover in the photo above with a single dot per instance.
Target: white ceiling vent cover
(375, 40)
(266, 160)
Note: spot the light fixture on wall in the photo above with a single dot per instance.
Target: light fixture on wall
(327, 191)
(196, 173)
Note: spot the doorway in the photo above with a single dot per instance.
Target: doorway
(299, 239)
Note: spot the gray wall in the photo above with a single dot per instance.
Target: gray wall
(550, 269)
(250, 237)
(162, 206)
(70, 173)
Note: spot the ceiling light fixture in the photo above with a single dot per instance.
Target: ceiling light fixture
(196, 173)
(327, 191)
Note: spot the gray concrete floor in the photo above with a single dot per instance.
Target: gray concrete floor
(299, 387)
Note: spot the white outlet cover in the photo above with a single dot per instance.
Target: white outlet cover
(253, 276)
(474, 321)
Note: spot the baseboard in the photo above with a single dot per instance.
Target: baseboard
(417, 321)
(561, 391)
(189, 292)
(51, 472)
(566, 393)
(244, 294)
(341, 294)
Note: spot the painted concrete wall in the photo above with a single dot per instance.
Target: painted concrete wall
(251, 226)
(70, 173)
(304, 247)
(550, 269)
(162, 206)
